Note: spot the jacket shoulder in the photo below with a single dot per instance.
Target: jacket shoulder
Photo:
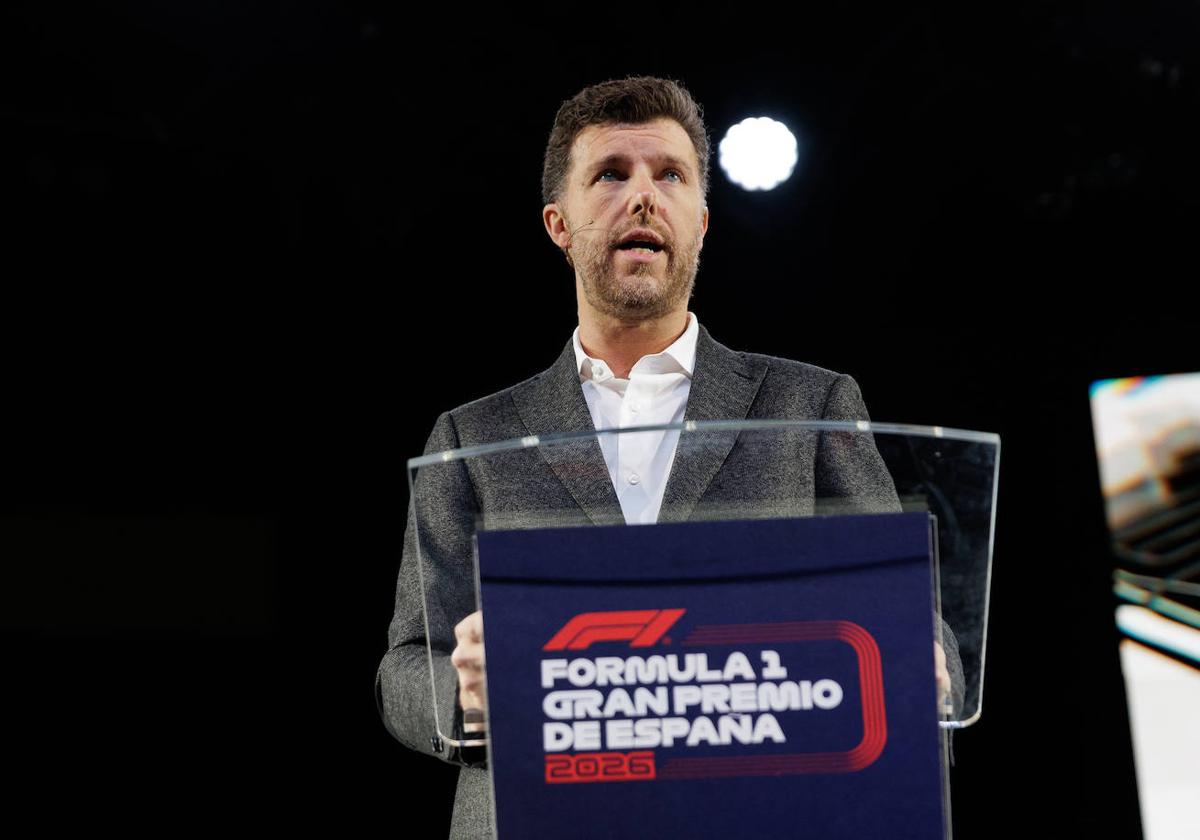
(790, 370)
(493, 417)
(775, 370)
(798, 390)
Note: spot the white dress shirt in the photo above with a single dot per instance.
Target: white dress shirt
(656, 392)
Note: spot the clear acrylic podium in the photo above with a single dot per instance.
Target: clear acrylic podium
(737, 470)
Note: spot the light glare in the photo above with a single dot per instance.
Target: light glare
(758, 153)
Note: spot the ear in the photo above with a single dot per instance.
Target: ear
(703, 225)
(556, 226)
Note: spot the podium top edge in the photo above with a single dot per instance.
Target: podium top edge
(694, 426)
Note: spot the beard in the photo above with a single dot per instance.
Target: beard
(638, 293)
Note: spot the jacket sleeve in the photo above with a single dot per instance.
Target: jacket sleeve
(441, 520)
(851, 477)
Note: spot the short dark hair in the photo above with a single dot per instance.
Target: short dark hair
(633, 100)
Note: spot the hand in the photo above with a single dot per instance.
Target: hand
(468, 661)
(943, 677)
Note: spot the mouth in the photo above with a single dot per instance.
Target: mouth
(639, 252)
(641, 244)
(640, 249)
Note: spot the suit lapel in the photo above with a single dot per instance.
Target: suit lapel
(553, 402)
(724, 385)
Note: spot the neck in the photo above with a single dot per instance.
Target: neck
(619, 344)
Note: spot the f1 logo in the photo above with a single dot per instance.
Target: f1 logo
(642, 628)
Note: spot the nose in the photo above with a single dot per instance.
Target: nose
(644, 200)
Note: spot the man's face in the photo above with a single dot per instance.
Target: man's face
(632, 218)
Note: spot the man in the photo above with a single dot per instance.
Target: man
(624, 183)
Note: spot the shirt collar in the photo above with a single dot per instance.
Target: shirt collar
(679, 357)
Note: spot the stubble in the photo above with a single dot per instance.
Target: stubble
(638, 293)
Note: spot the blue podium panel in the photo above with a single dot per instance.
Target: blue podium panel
(713, 679)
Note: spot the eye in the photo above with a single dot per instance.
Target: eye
(674, 175)
(608, 175)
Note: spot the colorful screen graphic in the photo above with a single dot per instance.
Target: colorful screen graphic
(1147, 432)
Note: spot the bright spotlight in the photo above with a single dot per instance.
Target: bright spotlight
(758, 153)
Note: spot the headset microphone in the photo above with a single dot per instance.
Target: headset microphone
(581, 227)
(571, 235)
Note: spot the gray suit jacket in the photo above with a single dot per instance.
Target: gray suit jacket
(724, 475)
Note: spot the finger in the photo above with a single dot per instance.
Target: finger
(472, 682)
(468, 657)
(470, 628)
(473, 696)
(944, 687)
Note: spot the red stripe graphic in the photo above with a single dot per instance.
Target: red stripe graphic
(870, 675)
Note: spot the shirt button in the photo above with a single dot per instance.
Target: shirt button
(634, 408)
(633, 478)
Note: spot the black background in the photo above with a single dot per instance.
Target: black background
(251, 250)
